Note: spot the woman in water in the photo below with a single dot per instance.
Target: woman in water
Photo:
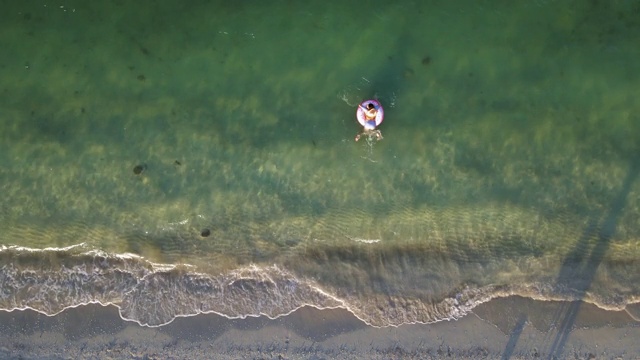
(370, 113)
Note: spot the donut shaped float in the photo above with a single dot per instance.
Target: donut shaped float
(367, 122)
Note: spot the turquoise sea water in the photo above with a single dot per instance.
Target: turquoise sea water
(174, 159)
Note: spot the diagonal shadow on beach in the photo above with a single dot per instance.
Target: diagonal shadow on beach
(514, 336)
(579, 267)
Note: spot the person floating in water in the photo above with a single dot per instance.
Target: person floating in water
(370, 115)
(370, 112)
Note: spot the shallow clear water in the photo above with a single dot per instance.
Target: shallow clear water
(508, 164)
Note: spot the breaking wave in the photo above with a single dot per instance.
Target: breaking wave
(53, 279)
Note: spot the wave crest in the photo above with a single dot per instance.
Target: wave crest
(51, 280)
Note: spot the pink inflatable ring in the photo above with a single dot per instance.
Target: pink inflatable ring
(370, 114)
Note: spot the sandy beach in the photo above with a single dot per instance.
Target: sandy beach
(508, 328)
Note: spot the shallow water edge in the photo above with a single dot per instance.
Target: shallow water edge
(51, 280)
(493, 330)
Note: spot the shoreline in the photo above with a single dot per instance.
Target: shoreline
(204, 156)
(511, 327)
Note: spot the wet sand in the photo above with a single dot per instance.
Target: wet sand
(508, 328)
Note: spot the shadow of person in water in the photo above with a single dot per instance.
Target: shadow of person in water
(579, 268)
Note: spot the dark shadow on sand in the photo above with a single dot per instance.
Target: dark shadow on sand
(579, 268)
(578, 271)
(514, 336)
